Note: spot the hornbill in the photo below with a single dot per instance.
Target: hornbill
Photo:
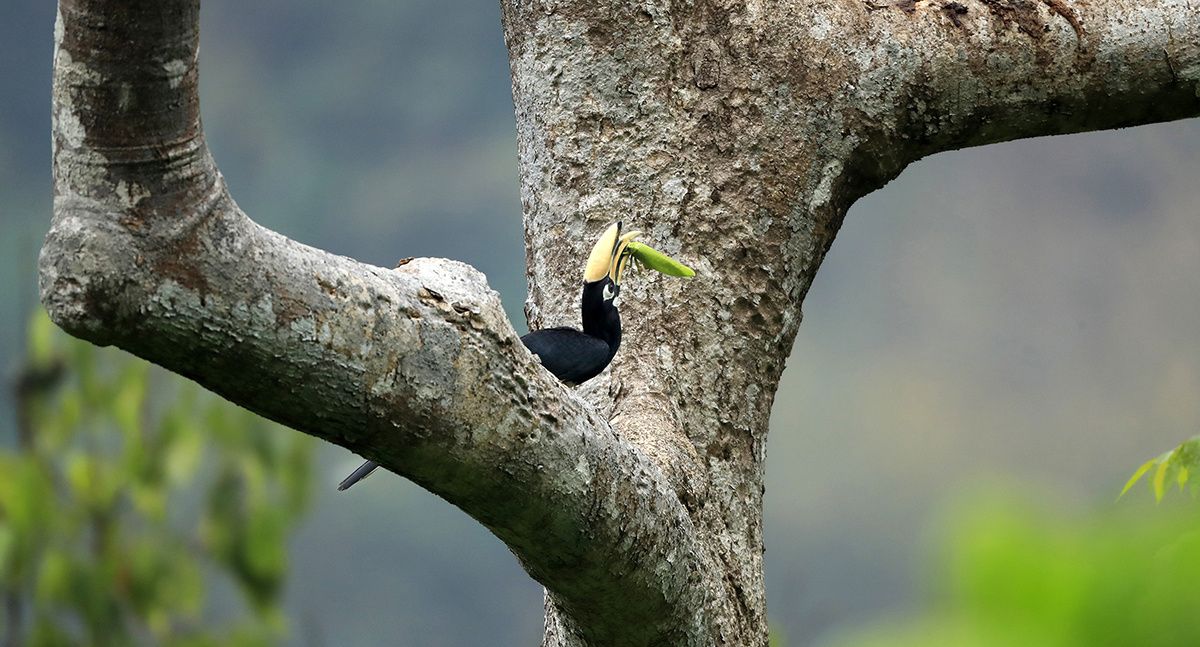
(575, 356)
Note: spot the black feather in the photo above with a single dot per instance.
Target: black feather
(571, 355)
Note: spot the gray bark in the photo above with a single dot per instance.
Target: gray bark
(736, 134)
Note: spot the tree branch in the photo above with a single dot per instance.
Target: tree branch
(415, 367)
(742, 132)
(981, 71)
(737, 133)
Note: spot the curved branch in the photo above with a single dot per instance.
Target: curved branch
(983, 71)
(416, 367)
(741, 131)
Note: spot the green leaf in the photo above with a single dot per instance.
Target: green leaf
(8, 542)
(1137, 476)
(295, 473)
(78, 469)
(149, 500)
(266, 554)
(58, 424)
(1177, 463)
(1188, 453)
(41, 338)
(47, 633)
(183, 455)
(1160, 477)
(26, 501)
(54, 578)
(657, 261)
(91, 386)
(129, 398)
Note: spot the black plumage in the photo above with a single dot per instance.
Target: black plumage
(576, 356)
(573, 356)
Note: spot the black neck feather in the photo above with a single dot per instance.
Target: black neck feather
(600, 316)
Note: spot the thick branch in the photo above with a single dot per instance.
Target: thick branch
(740, 133)
(737, 134)
(980, 71)
(415, 367)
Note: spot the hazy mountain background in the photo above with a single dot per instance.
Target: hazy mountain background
(1024, 314)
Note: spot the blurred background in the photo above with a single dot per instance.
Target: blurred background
(997, 339)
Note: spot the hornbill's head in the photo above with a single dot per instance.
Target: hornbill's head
(607, 262)
(602, 284)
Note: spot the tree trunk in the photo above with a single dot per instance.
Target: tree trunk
(736, 134)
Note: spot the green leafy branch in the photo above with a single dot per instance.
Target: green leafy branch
(1175, 466)
(127, 493)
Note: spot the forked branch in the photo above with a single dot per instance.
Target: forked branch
(415, 367)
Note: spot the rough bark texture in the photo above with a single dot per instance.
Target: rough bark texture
(736, 134)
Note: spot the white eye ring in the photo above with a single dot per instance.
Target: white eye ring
(609, 292)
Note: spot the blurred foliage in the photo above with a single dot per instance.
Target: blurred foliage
(1018, 578)
(109, 535)
(1172, 467)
